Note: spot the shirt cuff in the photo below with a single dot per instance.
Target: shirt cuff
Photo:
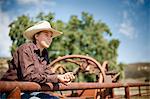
(52, 78)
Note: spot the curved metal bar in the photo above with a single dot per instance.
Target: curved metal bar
(80, 56)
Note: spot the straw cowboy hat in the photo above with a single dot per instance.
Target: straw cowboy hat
(40, 26)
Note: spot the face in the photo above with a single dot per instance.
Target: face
(44, 39)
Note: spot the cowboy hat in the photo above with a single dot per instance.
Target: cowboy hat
(40, 26)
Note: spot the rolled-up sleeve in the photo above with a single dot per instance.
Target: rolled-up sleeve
(32, 70)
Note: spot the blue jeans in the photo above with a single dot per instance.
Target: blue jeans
(31, 95)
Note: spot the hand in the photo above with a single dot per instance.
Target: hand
(66, 78)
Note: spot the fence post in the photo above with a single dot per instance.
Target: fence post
(139, 91)
(127, 93)
(147, 90)
(112, 93)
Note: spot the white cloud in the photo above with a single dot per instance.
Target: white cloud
(36, 2)
(140, 1)
(5, 41)
(29, 1)
(38, 5)
(126, 27)
(133, 3)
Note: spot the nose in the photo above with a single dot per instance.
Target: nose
(49, 39)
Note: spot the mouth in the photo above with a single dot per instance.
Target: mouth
(45, 43)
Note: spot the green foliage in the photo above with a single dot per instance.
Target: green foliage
(81, 36)
(120, 68)
(17, 27)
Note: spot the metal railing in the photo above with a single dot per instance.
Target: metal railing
(11, 86)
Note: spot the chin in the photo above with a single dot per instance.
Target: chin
(44, 44)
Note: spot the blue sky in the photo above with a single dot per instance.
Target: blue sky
(127, 19)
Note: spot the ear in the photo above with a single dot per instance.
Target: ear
(36, 36)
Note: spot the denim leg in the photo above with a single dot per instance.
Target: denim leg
(37, 95)
(46, 96)
(25, 95)
(3, 96)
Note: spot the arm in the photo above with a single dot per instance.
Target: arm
(32, 70)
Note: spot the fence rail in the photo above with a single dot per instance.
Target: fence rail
(8, 86)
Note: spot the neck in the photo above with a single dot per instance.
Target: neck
(39, 47)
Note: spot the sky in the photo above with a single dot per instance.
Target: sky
(129, 21)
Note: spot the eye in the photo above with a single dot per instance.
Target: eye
(46, 34)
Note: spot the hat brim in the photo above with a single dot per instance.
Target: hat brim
(29, 34)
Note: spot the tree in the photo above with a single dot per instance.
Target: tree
(16, 29)
(81, 36)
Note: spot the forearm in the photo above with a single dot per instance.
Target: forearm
(41, 78)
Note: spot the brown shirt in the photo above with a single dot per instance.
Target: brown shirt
(28, 65)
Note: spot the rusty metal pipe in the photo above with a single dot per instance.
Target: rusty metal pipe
(32, 86)
(24, 86)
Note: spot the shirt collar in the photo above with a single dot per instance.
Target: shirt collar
(44, 53)
(37, 51)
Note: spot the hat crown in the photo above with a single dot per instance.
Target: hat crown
(42, 24)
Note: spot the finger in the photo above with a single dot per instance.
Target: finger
(70, 75)
(65, 83)
(68, 83)
(62, 79)
(67, 77)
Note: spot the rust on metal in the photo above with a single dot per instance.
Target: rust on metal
(15, 94)
(23, 86)
(81, 57)
(127, 93)
(32, 86)
(103, 88)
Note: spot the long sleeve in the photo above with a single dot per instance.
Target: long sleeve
(31, 69)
